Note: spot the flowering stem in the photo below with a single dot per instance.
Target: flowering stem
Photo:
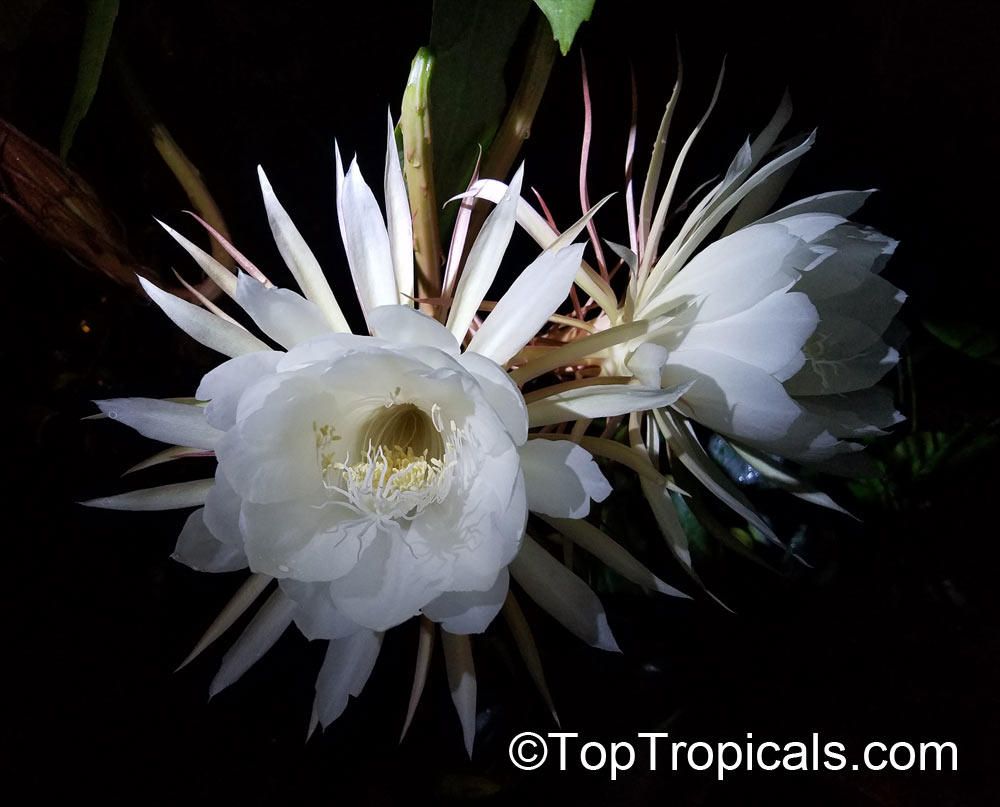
(418, 170)
(516, 125)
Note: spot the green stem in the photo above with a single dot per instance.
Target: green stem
(516, 125)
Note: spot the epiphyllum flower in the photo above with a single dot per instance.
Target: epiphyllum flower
(384, 476)
(773, 332)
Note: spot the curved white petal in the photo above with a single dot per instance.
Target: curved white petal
(165, 497)
(366, 242)
(198, 548)
(403, 325)
(166, 421)
(601, 400)
(345, 671)
(203, 326)
(222, 277)
(502, 393)
(733, 274)
(612, 554)
(484, 260)
(287, 317)
(731, 396)
(564, 595)
(222, 511)
(398, 222)
(768, 335)
(300, 259)
(841, 203)
(531, 299)
(223, 386)
(258, 637)
(315, 615)
(561, 478)
(387, 586)
(462, 682)
(468, 611)
(843, 355)
(244, 597)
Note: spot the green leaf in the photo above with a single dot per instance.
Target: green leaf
(565, 17)
(97, 29)
(971, 338)
(471, 42)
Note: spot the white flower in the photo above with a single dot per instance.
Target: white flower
(770, 334)
(779, 326)
(382, 476)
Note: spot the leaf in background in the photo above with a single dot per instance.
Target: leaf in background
(96, 35)
(970, 338)
(470, 42)
(565, 17)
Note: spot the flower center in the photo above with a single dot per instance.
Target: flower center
(405, 463)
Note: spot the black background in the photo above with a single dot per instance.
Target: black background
(895, 641)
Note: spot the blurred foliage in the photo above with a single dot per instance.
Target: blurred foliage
(99, 24)
(471, 43)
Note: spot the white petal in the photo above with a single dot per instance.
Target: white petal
(601, 400)
(811, 227)
(387, 586)
(203, 326)
(400, 225)
(462, 682)
(646, 363)
(842, 203)
(165, 497)
(864, 413)
(402, 325)
(244, 597)
(264, 630)
(198, 548)
(672, 261)
(501, 392)
(287, 317)
(731, 396)
(733, 274)
(468, 611)
(223, 386)
(166, 421)
(300, 259)
(767, 335)
(345, 671)
(561, 478)
(612, 554)
(222, 511)
(564, 595)
(531, 299)
(315, 615)
(843, 355)
(366, 243)
(222, 277)
(484, 260)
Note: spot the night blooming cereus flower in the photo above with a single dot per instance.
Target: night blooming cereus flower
(771, 331)
(377, 477)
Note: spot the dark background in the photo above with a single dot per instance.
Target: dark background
(892, 637)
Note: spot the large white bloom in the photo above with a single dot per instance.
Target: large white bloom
(382, 476)
(779, 326)
(769, 327)
(774, 330)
